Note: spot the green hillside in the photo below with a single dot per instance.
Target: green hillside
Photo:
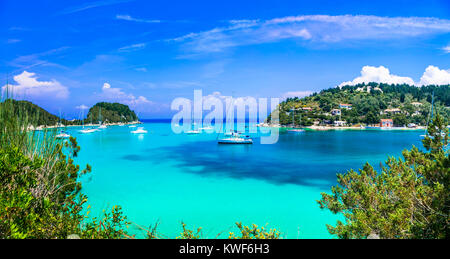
(31, 110)
(111, 113)
(369, 104)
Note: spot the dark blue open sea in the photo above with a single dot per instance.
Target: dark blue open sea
(168, 178)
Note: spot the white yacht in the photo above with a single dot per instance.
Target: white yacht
(235, 139)
(62, 135)
(139, 130)
(88, 130)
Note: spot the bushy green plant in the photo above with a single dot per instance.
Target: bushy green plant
(254, 232)
(409, 198)
(40, 191)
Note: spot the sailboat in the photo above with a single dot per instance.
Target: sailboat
(294, 130)
(140, 130)
(430, 116)
(102, 126)
(193, 131)
(62, 134)
(234, 137)
(90, 130)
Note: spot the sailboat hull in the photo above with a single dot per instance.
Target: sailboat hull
(235, 141)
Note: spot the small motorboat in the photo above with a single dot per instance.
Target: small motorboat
(88, 130)
(139, 130)
(192, 132)
(132, 126)
(103, 126)
(235, 139)
(62, 135)
(296, 130)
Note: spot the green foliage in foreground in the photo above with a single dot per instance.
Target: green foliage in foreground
(408, 199)
(40, 191)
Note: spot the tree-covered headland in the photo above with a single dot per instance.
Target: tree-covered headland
(367, 104)
(103, 111)
(111, 113)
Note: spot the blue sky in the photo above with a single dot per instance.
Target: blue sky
(65, 54)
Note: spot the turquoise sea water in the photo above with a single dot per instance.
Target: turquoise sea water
(167, 177)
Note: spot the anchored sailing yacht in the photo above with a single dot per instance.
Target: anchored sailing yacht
(102, 126)
(62, 134)
(140, 130)
(294, 130)
(235, 138)
(193, 130)
(90, 130)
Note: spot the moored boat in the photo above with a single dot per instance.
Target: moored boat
(139, 130)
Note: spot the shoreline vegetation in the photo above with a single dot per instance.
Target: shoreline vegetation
(372, 105)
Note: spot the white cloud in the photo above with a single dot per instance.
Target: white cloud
(133, 47)
(11, 41)
(28, 85)
(141, 69)
(435, 76)
(378, 75)
(297, 94)
(117, 95)
(92, 4)
(127, 17)
(432, 75)
(446, 49)
(82, 107)
(310, 28)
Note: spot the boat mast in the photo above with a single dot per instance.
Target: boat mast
(430, 116)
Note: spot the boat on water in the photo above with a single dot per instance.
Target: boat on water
(132, 126)
(88, 130)
(430, 117)
(193, 131)
(100, 122)
(235, 138)
(294, 129)
(139, 130)
(62, 135)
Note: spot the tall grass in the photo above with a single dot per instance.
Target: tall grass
(18, 130)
